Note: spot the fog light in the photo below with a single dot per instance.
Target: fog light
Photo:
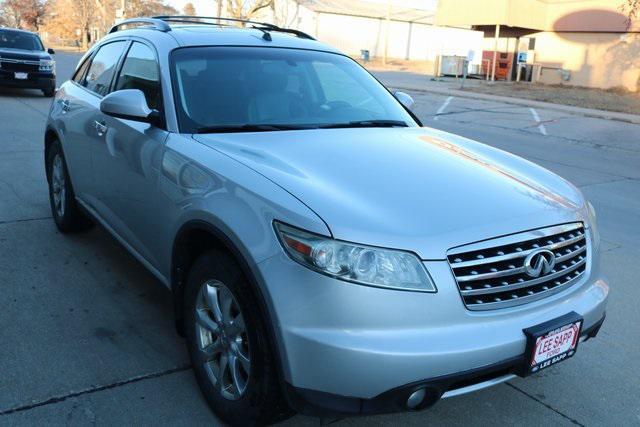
(416, 398)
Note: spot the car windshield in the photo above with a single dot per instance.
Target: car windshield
(19, 40)
(243, 89)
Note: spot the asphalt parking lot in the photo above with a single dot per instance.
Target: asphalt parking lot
(87, 333)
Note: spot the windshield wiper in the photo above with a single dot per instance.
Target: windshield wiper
(366, 124)
(248, 128)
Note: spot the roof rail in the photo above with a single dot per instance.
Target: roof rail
(263, 26)
(178, 18)
(157, 24)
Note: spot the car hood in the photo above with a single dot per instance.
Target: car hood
(30, 55)
(417, 189)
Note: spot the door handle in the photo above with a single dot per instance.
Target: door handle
(66, 106)
(101, 128)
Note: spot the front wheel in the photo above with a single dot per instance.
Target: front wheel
(228, 344)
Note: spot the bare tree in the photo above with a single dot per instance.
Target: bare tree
(631, 8)
(189, 9)
(286, 13)
(26, 14)
(246, 9)
(73, 19)
(135, 8)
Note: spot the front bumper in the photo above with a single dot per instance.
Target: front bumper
(315, 403)
(349, 349)
(35, 80)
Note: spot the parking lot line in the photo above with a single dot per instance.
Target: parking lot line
(536, 117)
(442, 107)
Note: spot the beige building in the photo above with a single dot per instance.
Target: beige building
(401, 29)
(575, 42)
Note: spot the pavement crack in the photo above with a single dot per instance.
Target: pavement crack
(13, 221)
(530, 396)
(31, 107)
(58, 399)
(593, 184)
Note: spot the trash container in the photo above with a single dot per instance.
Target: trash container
(364, 55)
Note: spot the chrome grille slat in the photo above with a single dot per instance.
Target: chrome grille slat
(19, 61)
(511, 272)
(505, 288)
(514, 255)
(491, 274)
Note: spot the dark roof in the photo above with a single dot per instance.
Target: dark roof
(18, 30)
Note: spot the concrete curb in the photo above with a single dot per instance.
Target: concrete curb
(587, 112)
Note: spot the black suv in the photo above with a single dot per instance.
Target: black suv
(25, 63)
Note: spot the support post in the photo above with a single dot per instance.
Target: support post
(386, 33)
(495, 53)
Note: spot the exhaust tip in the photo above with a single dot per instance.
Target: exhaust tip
(416, 398)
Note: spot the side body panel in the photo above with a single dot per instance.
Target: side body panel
(126, 159)
(72, 114)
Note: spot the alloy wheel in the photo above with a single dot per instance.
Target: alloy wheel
(58, 185)
(222, 339)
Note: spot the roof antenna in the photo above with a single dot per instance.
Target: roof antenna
(265, 34)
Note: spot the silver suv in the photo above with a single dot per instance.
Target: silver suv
(327, 253)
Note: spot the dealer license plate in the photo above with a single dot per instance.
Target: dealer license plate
(21, 76)
(552, 342)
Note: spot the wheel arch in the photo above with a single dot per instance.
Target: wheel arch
(50, 136)
(194, 238)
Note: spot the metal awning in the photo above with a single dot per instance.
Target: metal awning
(368, 9)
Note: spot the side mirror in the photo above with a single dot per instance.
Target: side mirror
(51, 51)
(404, 98)
(129, 104)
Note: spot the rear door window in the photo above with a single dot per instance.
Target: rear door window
(102, 68)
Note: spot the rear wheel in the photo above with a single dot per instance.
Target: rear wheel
(64, 208)
(228, 344)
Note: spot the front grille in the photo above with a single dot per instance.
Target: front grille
(491, 274)
(12, 65)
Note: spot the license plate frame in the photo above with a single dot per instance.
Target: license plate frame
(559, 330)
(21, 76)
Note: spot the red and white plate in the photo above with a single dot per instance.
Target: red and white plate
(549, 343)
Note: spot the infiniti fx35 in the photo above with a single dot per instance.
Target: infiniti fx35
(327, 253)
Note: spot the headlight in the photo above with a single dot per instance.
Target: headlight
(47, 65)
(361, 264)
(595, 234)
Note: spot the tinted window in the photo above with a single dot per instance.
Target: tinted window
(140, 71)
(19, 40)
(231, 86)
(102, 67)
(81, 71)
(339, 87)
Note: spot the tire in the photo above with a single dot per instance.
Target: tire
(49, 93)
(252, 396)
(64, 209)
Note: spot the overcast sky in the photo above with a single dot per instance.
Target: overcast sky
(208, 7)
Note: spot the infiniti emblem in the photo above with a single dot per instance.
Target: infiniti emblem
(539, 262)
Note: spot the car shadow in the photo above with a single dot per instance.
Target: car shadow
(20, 93)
